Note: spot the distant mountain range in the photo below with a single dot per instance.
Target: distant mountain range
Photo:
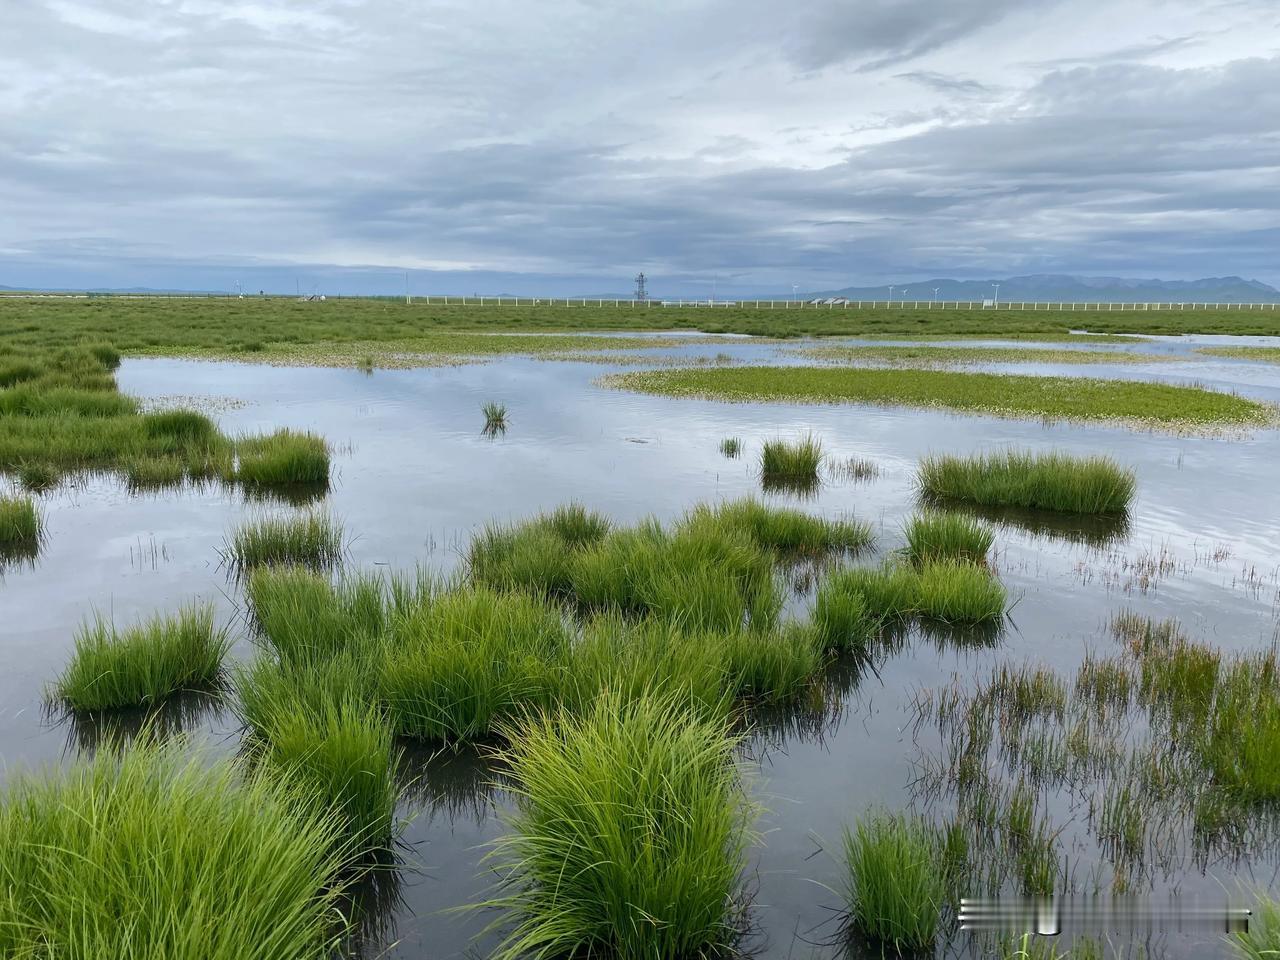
(1051, 287)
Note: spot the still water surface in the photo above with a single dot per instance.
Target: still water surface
(414, 478)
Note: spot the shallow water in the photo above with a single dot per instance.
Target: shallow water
(414, 477)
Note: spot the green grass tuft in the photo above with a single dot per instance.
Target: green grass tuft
(959, 593)
(21, 525)
(889, 593)
(629, 838)
(895, 885)
(305, 618)
(311, 539)
(143, 664)
(1262, 940)
(708, 573)
(328, 742)
(495, 415)
(731, 447)
(938, 535)
(1052, 481)
(282, 458)
(180, 428)
(143, 853)
(785, 529)
(534, 555)
(470, 661)
(840, 616)
(853, 604)
(704, 576)
(37, 477)
(797, 461)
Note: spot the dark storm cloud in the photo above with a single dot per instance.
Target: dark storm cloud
(579, 140)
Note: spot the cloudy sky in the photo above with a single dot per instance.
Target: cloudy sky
(506, 145)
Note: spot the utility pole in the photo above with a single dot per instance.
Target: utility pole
(997, 299)
(794, 288)
(407, 298)
(642, 291)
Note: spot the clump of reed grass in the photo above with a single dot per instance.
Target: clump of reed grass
(1242, 744)
(21, 525)
(792, 462)
(574, 525)
(1103, 684)
(310, 539)
(1143, 635)
(535, 555)
(470, 661)
(1012, 478)
(706, 576)
(495, 415)
(143, 664)
(37, 477)
(635, 659)
(785, 529)
(707, 573)
(887, 594)
(959, 593)
(1262, 940)
(1180, 680)
(145, 472)
(853, 604)
(325, 739)
(895, 885)
(1023, 693)
(840, 617)
(629, 837)
(282, 458)
(181, 428)
(1122, 825)
(706, 671)
(106, 355)
(731, 447)
(770, 665)
(306, 618)
(938, 535)
(146, 853)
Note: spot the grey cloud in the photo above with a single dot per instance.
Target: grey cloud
(1135, 51)
(545, 147)
(947, 83)
(885, 32)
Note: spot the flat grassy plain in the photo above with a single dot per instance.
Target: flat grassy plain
(1260, 354)
(280, 326)
(925, 356)
(1060, 398)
